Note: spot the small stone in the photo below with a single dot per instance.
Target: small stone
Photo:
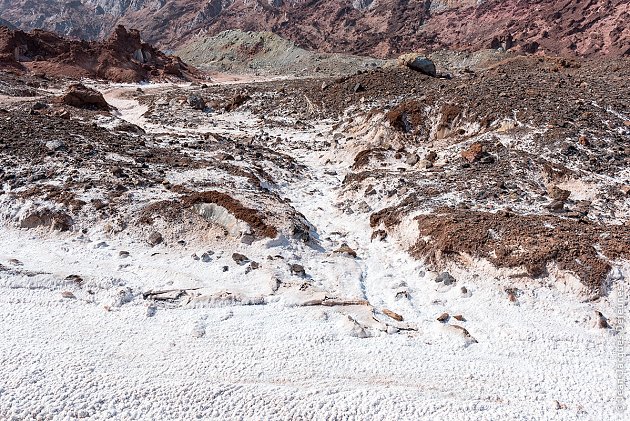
(556, 193)
(393, 315)
(392, 329)
(196, 102)
(205, 257)
(247, 239)
(443, 317)
(297, 270)
(413, 159)
(39, 106)
(402, 294)
(118, 172)
(431, 156)
(473, 153)
(55, 145)
(240, 259)
(68, 294)
(346, 249)
(74, 278)
(123, 254)
(459, 317)
(602, 322)
(445, 278)
(556, 206)
(155, 238)
(425, 164)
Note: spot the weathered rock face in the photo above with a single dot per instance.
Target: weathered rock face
(123, 57)
(80, 96)
(418, 63)
(382, 28)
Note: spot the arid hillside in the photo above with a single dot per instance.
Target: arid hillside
(123, 57)
(380, 28)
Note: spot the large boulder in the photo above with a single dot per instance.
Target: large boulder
(418, 63)
(80, 96)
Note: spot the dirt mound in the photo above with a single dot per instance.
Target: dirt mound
(121, 58)
(528, 241)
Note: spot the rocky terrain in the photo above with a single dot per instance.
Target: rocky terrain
(265, 53)
(123, 57)
(380, 28)
(320, 247)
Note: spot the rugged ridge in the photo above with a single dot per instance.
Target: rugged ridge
(123, 57)
(381, 28)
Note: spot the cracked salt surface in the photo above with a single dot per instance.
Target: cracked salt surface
(109, 355)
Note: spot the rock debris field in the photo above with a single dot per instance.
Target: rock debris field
(383, 245)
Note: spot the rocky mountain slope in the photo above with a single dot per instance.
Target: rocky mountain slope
(381, 28)
(241, 52)
(123, 57)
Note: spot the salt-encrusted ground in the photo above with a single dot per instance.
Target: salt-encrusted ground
(262, 352)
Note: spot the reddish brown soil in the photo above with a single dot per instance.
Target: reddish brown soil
(508, 240)
(123, 57)
(173, 209)
(236, 208)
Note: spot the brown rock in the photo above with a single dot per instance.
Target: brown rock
(465, 332)
(459, 317)
(556, 193)
(346, 249)
(80, 96)
(68, 294)
(297, 269)
(443, 317)
(602, 321)
(393, 315)
(473, 153)
(240, 259)
(236, 101)
(155, 238)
